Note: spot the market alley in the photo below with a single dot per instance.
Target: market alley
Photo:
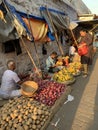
(82, 112)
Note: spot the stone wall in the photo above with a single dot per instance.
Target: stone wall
(23, 61)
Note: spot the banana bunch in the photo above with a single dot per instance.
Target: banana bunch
(72, 69)
(62, 76)
(76, 65)
(64, 71)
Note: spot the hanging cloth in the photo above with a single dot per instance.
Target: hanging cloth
(39, 28)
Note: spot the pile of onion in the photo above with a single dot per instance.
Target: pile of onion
(49, 92)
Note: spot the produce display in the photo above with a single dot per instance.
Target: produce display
(63, 76)
(49, 92)
(76, 65)
(23, 114)
(74, 68)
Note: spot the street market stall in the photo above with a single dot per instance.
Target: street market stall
(26, 113)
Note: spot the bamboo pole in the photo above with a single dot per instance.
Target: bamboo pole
(93, 28)
(74, 37)
(34, 42)
(29, 55)
(56, 37)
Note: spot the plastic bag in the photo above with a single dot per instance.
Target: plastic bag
(82, 49)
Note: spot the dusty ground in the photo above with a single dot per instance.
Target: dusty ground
(82, 112)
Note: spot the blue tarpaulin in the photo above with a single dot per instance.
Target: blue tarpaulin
(52, 10)
(13, 11)
(59, 18)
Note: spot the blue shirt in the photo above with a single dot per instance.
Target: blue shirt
(49, 62)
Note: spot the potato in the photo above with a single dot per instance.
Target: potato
(25, 114)
(39, 111)
(8, 118)
(20, 127)
(34, 117)
(25, 127)
(34, 127)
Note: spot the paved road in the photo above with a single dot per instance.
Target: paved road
(82, 112)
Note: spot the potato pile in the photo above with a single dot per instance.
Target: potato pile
(23, 114)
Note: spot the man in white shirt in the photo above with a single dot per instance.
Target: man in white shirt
(72, 50)
(10, 82)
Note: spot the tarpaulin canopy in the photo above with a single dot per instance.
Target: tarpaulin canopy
(7, 30)
(17, 15)
(59, 19)
(31, 9)
(38, 28)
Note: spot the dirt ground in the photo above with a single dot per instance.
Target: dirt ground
(82, 112)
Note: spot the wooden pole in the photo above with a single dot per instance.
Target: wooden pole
(74, 37)
(56, 37)
(34, 42)
(29, 55)
(93, 28)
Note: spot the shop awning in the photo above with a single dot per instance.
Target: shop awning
(90, 22)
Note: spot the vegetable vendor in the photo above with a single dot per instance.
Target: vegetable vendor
(51, 63)
(10, 82)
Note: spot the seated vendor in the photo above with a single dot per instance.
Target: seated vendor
(51, 63)
(10, 82)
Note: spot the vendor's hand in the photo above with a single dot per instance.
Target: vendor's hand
(54, 66)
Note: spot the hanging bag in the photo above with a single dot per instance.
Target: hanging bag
(82, 48)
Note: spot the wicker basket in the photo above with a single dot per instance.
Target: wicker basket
(67, 82)
(28, 88)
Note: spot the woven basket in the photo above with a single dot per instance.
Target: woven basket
(28, 88)
(67, 82)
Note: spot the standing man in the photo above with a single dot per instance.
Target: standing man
(87, 58)
(10, 82)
